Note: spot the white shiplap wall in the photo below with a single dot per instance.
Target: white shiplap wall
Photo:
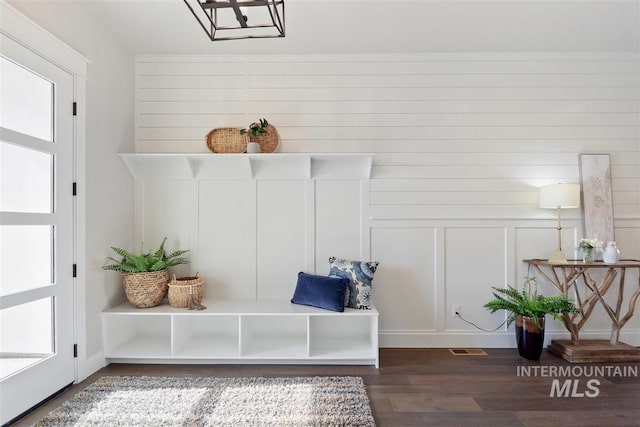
(462, 143)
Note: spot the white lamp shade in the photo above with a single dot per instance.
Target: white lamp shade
(562, 196)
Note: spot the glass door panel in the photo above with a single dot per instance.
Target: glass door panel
(26, 179)
(26, 335)
(26, 101)
(26, 257)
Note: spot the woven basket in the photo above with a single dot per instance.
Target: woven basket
(146, 289)
(226, 140)
(180, 288)
(268, 142)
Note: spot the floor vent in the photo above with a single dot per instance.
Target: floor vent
(467, 352)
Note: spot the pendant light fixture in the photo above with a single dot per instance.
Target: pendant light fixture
(239, 19)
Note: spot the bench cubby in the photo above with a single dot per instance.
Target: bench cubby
(235, 331)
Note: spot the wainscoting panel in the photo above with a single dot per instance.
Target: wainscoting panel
(281, 250)
(224, 237)
(404, 286)
(474, 259)
(338, 222)
(167, 210)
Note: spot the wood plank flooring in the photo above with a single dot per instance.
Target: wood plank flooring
(432, 387)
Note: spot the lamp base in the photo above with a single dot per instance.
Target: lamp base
(558, 257)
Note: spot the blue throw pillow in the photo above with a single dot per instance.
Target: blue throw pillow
(320, 291)
(360, 275)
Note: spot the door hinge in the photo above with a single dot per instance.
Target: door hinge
(74, 190)
(75, 108)
(75, 270)
(75, 350)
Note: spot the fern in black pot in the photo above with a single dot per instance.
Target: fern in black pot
(528, 309)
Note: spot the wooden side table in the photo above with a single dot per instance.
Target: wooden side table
(589, 291)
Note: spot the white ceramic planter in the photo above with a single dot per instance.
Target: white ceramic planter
(253, 147)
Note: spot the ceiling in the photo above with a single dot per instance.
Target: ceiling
(389, 26)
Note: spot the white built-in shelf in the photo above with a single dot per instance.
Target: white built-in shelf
(249, 166)
(238, 331)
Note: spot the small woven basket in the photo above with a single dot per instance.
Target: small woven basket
(268, 142)
(146, 289)
(183, 289)
(226, 140)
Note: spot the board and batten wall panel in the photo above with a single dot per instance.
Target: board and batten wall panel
(281, 237)
(338, 222)
(164, 212)
(222, 239)
(406, 284)
(462, 141)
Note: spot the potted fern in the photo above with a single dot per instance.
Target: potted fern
(528, 309)
(145, 276)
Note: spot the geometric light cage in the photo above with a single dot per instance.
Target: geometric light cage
(239, 19)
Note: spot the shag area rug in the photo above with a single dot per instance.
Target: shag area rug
(237, 402)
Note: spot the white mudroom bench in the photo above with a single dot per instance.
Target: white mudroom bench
(241, 332)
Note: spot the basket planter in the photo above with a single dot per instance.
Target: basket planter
(186, 292)
(269, 142)
(146, 289)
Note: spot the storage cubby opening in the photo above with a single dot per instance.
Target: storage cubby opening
(274, 336)
(341, 337)
(206, 336)
(138, 336)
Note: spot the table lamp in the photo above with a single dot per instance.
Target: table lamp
(559, 196)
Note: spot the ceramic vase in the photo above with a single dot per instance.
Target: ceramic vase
(611, 254)
(253, 147)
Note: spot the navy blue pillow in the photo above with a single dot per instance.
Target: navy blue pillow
(321, 291)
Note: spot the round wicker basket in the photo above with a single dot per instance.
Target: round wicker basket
(268, 142)
(146, 289)
(182, 287)
(226, 140)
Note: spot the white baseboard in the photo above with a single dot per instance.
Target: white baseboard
(89, 366)
(429, 339)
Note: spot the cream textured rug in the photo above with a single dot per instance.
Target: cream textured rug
(237, 402)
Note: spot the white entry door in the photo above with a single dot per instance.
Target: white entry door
(36, 229)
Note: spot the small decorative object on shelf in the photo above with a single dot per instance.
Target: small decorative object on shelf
(145, 276)
(253, 147)
(611, 254)
(186, 292)
(263, 134)
(256, 129)
(587, 246)
(226, 140)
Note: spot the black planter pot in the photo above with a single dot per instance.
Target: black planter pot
(530, 338)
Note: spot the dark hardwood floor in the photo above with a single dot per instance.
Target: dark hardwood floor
(431, 387)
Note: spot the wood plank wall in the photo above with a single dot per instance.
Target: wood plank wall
(462, 143)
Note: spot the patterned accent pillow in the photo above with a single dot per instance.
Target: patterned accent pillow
(360, 275)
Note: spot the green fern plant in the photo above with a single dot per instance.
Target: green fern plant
(256, 129)
(528, 303)
(145, 262)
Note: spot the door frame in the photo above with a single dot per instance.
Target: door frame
(32, 36)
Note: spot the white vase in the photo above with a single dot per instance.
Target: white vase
(253, 147)
(611, 254)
